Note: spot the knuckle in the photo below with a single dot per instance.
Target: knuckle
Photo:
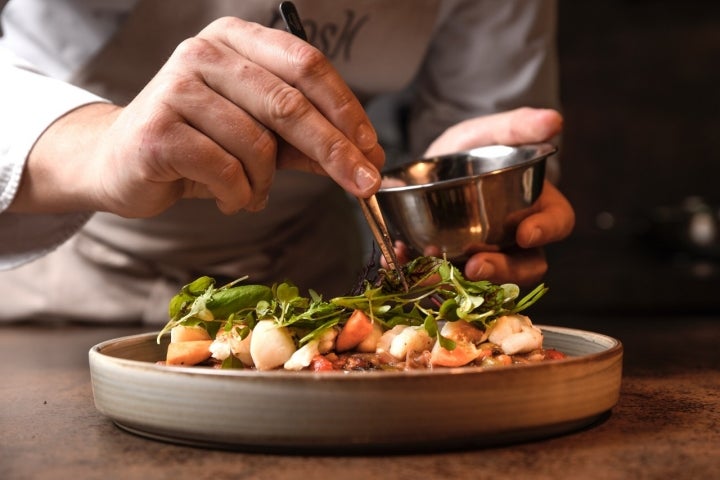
(153, 135)
(230, 172)
(336, 153)
(196, 50)
(308, 60)
(265, 146)
(287, 103)
(344, 101)
(233, 173)
(345, 105)
(226, 23)
(177, 86)
(264, 150)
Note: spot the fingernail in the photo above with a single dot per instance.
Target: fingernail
(484, 270)
(366, 178)
(256, 207)
(263, 203)
(365, 137)
(535, 235)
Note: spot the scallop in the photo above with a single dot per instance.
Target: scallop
(270, 345)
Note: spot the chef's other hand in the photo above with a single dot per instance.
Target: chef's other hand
(229, 107)
(553, 218)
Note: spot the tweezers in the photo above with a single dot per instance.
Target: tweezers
(369, 206)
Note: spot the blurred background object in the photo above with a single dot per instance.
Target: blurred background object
(640, 160)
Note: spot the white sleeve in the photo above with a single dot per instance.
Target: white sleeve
(487, 56)
(30, 102)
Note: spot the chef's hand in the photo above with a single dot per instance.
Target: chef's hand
(229, 107)
(553, 218)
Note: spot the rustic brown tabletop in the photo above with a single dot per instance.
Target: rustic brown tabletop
(666, 424)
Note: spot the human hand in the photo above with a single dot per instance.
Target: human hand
(229, 107)
(553, 218)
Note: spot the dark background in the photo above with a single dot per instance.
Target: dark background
(640, 87)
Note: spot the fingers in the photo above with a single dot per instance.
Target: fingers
(522, 125)
(175, 160)
(290, 157)
(553, 218)
(302, 98)
(525, 125)
(525, 267)
(214, 119)
(234, 99)
(553, 221)
(216, 174)
(238, 134)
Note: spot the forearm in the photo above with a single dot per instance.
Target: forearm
(55, 178)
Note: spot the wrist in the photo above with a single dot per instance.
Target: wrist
(58, 173)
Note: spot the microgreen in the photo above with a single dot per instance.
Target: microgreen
(438, 293)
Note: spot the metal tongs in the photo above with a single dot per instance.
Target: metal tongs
(369, 206)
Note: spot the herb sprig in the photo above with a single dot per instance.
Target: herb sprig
(438, 292)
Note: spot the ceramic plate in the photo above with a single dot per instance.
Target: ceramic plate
(357, 411)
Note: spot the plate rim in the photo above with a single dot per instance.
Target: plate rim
(466, 427)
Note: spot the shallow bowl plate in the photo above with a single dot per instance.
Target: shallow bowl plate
(357, 411)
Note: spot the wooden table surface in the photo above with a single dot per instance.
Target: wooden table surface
(666, 424)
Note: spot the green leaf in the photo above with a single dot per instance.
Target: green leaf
(222, 303)
(231, 362)
(198, 286)
(448, 310)
(445, 342)
(438, 292)
(530, 298)
(211, 327)
(286, 292)
(510, 292)
(430, 326)
(178, 303)
(318, 332)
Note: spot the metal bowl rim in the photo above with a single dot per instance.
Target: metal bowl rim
(544, 151)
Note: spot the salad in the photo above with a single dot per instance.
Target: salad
(442, 320)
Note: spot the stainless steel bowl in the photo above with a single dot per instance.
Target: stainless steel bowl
(465, 202)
